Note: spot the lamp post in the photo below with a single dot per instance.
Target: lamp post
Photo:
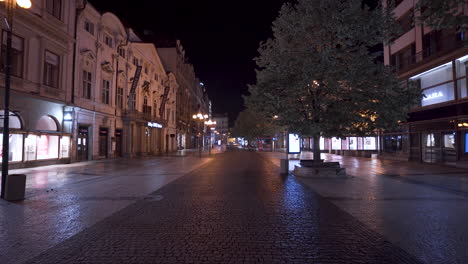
(211, 125)
(10, 6)
(199, 118)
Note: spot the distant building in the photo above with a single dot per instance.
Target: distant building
(222, 128)
(437, 130)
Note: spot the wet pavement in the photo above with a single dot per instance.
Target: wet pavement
(419, 207)
(235, 207)
(62, 200)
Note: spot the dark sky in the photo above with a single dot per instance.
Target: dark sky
(220, 38)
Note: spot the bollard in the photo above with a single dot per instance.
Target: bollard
(15, 188)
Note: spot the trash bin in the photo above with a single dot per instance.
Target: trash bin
(15, 188)
(284, 166)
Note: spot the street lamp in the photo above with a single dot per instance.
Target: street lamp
(200, 118)
(211, 125)
(10, 6)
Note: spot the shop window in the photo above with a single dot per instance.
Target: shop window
(54, 7)
(352, 143)
(46, 123)
(30, 147)
(51, 69)
(336, 143)
(15, 147)
(370, 143)
(47, 147)
(393, 143)
(449, 140)
(65, 147)
(14, 122)
(17, 55)
(438, 94)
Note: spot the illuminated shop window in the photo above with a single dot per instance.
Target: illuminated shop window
(30, 144)
(65, 147)
(47, 147)
(352, 143)
(370, 143)
(336, 143)
(15, 147)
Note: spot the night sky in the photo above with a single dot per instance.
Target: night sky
(221, 39)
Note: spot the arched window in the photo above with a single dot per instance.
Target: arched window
(47, 123)
(14, 122)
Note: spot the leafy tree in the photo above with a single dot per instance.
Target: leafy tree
(443, 14)
(317, 72)
(252, 125)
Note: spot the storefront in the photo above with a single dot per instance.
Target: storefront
(40, 145)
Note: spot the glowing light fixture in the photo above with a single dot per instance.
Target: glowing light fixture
(24, 3)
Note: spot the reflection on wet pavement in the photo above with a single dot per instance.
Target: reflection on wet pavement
(62, 200)
(421, 208)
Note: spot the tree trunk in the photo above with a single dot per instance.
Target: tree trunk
(317, 149)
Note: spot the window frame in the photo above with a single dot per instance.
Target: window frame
(89, 27)
(57, 78)
(54, 9)
(87, 84)
(3, 52)
(105, 92)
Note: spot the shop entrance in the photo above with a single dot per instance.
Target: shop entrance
(103, 132)
(118, 142)
(82, 144)
(431, 147)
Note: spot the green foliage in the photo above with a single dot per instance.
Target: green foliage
(318, 75)
(252, 125)
(443, 14)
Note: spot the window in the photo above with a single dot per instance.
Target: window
(47, 147)
(51, 69)
(54, 7)
(155, 106)
(146, 69)
(17, 54)
(105, 92)
(393, 143)
(88, 26)
(146, 108)
(437, 84)
(108, 40)
(122, 52)
(156, 77)
(134, 102)
(119, 98)
(135, 61)
(87, 84)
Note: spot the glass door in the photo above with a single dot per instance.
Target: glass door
(449, 152)
(431, 149)
(82, 144)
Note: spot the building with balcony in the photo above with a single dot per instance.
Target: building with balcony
(437, 129)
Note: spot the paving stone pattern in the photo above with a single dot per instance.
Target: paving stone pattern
(236, 209)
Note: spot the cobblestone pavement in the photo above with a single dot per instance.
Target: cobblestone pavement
(419, 207)
(235, 209)
(62, 200)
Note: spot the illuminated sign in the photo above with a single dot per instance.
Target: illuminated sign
(294, 144)
(466, 142)
(432, 96)
(156, 125)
